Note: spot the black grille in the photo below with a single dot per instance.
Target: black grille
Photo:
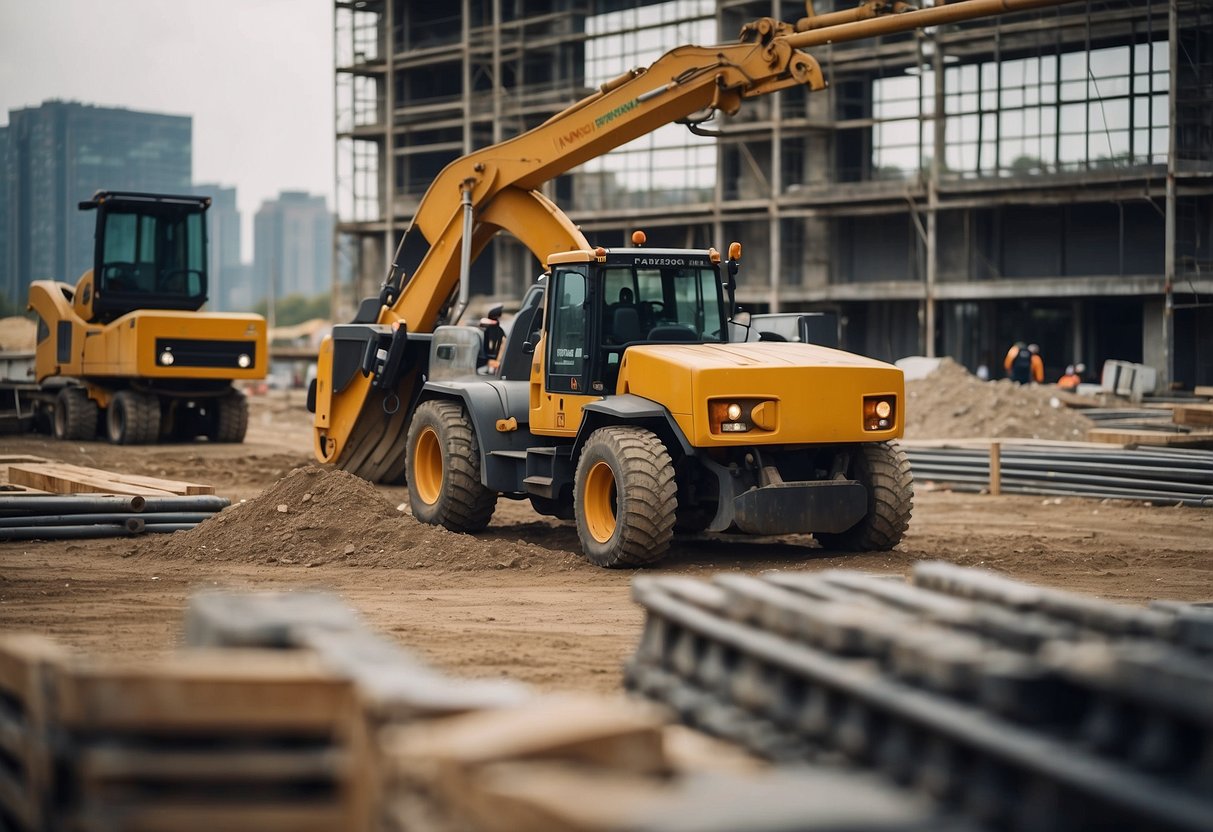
(194, 352)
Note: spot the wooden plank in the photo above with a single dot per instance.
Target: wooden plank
(1204, 392)
(1195, 415)
(10, 489)
(210, 691)
(25, 660)
(50, 477)
(159, 484)
(552, 797)
(243, 766)
(178, 487)
(17, 459)
(605, 731)
(1007, 442)
(197, 815)
(1117, 436)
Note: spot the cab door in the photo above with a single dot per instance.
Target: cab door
(559, 385)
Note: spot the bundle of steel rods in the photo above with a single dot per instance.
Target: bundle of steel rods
(71, 516)
(1163, 476)
(1025, 707)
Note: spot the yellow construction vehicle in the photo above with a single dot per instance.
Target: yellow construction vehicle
(621, 402)
(126, 351)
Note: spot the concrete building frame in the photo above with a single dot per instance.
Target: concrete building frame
(1098, 244)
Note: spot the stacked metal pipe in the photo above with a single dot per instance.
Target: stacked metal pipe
(72, 516)
(1165, 476)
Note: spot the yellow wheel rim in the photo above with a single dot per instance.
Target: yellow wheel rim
(600, 502)
(427, 466)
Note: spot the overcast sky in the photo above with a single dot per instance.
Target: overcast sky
(256, 75)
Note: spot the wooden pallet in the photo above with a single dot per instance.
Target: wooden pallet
(27, 662)
(61, 478)
(211, 739)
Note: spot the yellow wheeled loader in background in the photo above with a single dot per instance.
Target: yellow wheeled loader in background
(125, 352)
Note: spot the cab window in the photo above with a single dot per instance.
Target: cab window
(567, 346)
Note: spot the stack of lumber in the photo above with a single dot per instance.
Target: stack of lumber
(1190, 424)
(49, 477)
(1193, 415)
(234, 740)
(50, 500)
(468, 755)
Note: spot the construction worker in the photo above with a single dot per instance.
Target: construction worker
(1037, 364)
(494, 340)
(1018, 363)
(1070, 381)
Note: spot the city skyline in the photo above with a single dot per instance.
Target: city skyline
(223, 63)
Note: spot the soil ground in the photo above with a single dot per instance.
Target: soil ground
(516, 601)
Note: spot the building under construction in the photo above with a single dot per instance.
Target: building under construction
(1063, 195)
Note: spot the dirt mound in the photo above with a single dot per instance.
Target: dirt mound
(319, 518)
(951, 403)
(17, 334)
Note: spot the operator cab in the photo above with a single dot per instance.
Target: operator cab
(601, 303)
(150, 253)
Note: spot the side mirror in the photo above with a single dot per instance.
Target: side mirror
(495, 312)
(528, 348)
(741, 318)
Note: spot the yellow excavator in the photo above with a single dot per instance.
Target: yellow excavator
(126, 351)
(624, 400)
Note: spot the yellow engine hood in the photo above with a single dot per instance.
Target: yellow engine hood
(818, 392)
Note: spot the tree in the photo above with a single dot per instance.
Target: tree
(295, 309)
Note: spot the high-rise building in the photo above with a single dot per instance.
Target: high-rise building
(293, 246)
(224, 269)
(1044, 175)
(60, 153)
(8, 277)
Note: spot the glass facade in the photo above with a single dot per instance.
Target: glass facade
(63, 152)
(1071, 111)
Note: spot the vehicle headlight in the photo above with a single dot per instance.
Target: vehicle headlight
(879, 412)
(166, 358)
(243, 361)
(741, 415)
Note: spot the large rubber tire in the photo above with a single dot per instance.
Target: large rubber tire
(443, 469)
(882, 468)
(231, 418)
(75, 415)
(133, 418)
(624, 497)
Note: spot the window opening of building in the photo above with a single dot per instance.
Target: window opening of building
(670, 165)
(1045, 113)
